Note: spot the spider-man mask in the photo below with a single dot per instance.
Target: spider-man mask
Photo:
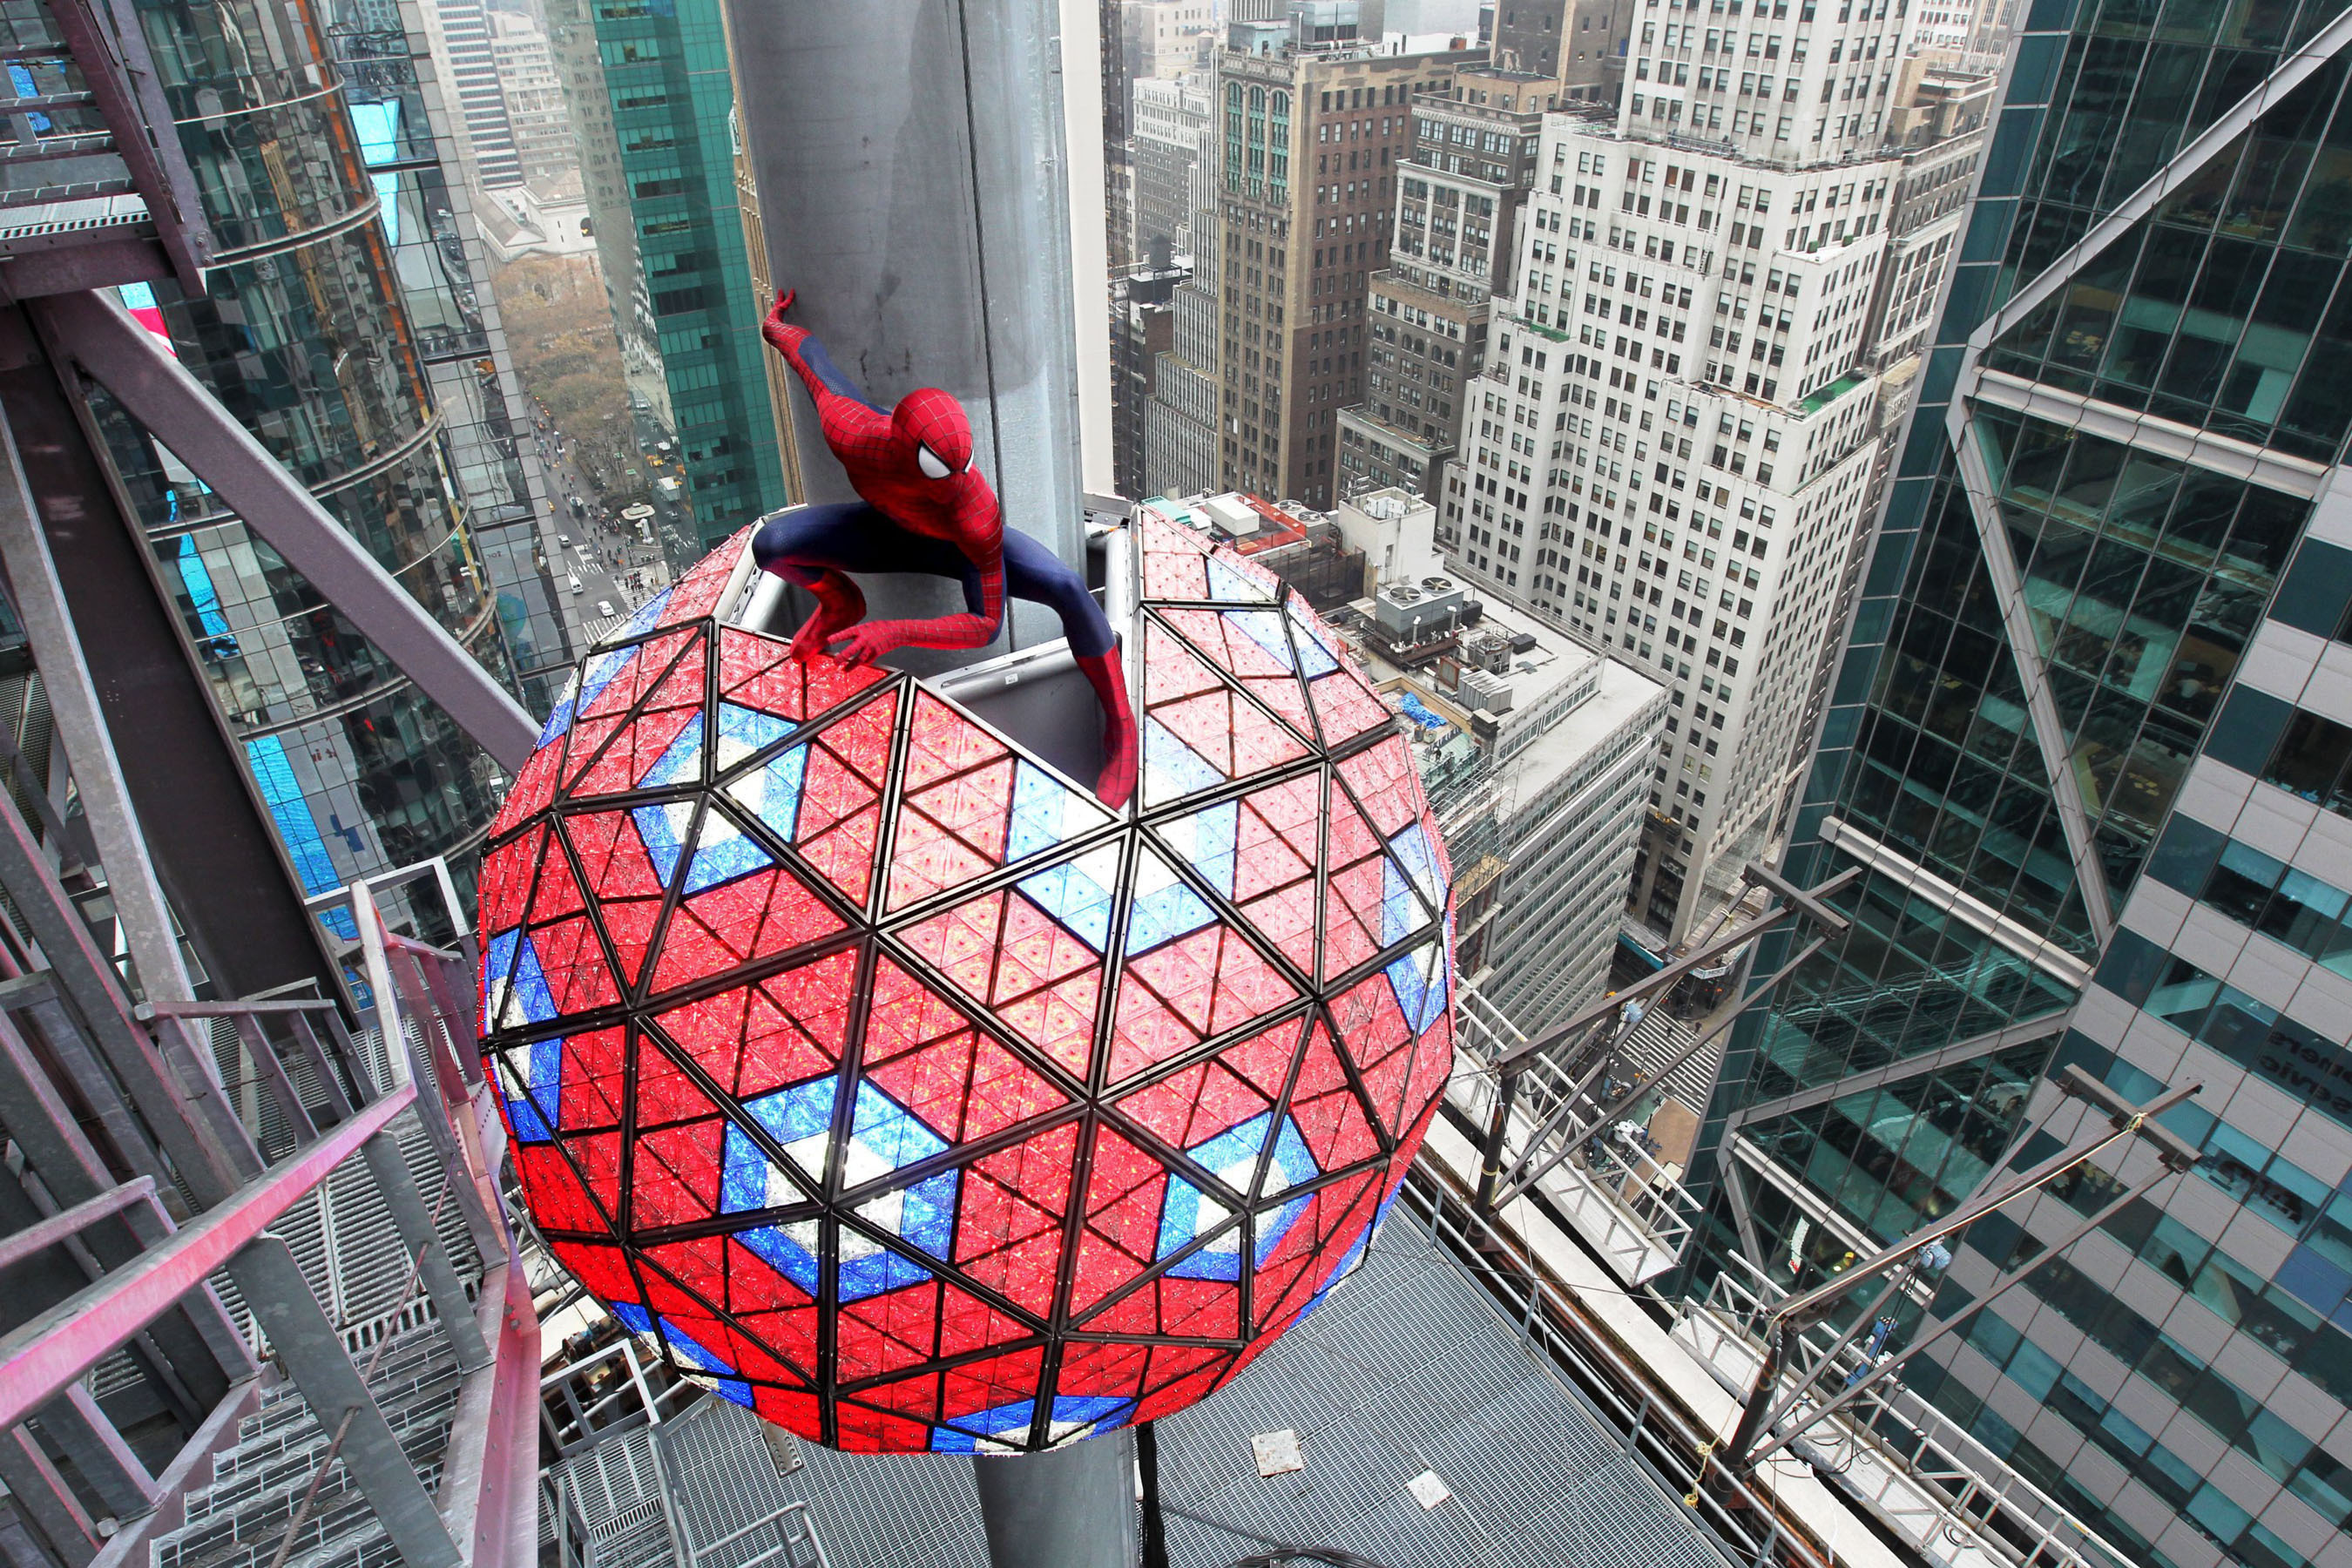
(932, 425)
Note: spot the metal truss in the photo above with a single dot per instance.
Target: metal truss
(1774, 1418)
(1579, 1112)
(213, 1185)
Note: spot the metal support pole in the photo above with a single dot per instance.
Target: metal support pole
(40, 602)
(1940, 1330)
(1147, 1468)
(1756, 1435)
(1065, 1508)
(911, 160)
(1664, 979)
(1498, 1126)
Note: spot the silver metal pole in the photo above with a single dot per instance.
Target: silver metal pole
(1066, 1508)
(910, 159)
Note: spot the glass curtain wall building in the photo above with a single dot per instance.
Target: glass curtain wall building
(407, 121)
(306, 336)
(2088, 749)
(688, 295)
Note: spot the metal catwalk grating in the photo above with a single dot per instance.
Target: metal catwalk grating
(1407, 1367)
(722, 1473)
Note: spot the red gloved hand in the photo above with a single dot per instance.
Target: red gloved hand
(867, 643)
(774, 328)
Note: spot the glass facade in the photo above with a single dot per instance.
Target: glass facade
(443, 271)
(687, 309)
(306, 335)
(2085, 747)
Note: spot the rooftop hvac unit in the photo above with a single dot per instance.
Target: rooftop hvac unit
(1483, 691)
(1489, 651)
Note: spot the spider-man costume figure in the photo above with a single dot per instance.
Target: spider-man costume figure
(924, 508)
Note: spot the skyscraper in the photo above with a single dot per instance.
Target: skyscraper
(464, 48)
(1673, 448)
(653, 107)
(2086, 747)
(1174, 161)
(1312, 142)
(398, 104)
(330, 327)
(1472, 160)
(543, 143)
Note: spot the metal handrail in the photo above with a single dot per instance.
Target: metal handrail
(791, 1529)
(42, 1356)
(1981, 1498)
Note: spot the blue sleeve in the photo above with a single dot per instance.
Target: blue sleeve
(820, 363)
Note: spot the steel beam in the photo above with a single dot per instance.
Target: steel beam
(204, 825)
(43, 1127)
(18, 1245)
(40, 1357)
(40, 599)
(1992, 1043)
(409, 1217)
(160, 392)
(44, 1499)
(181, 1099)
(87, 1436)
(307, 1342)
(191, 1468)
(490, 1478)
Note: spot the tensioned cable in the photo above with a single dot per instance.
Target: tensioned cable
(980, 264)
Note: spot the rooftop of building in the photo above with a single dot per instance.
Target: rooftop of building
(1247, 522)
(1408, 1370)
(1566, 700)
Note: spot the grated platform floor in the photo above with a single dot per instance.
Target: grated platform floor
(1406, 1368)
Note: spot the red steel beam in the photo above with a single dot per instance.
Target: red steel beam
(18, 1245)
(38, 1359)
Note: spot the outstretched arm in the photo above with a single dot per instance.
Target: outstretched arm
(807, 357)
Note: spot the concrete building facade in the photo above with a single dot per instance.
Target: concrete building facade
(1470, 166)
(1581, 44)
(1311, 147)
(462, 49)
(1173, 159)
(537, 117)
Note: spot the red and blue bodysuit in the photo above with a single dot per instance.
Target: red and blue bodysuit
(924, 508)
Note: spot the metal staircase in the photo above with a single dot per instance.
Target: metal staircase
(303, 1334)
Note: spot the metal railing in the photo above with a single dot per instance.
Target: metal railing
(1614, 1191)
(784, 1539)
(1890, 1443)
(303, 1097)
(1620, 1393)
(605, 1393)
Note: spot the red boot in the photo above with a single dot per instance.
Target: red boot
(839, 606)
(1117, 782)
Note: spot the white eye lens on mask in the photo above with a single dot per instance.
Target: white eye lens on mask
(929, 461)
